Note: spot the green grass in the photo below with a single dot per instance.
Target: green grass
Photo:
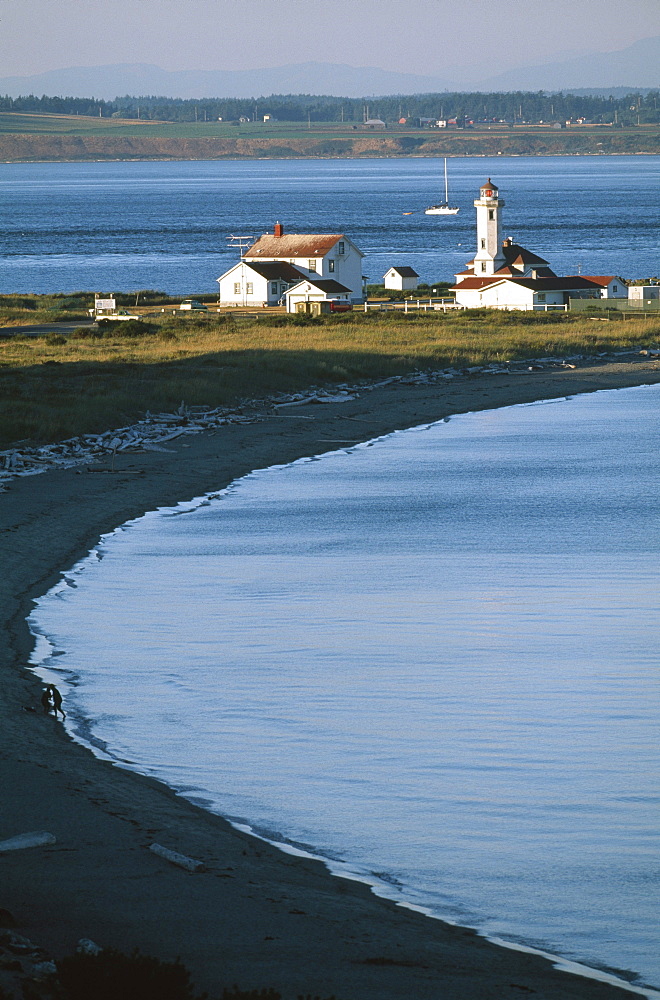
(58, 387)
(24, 310)
(81, 125)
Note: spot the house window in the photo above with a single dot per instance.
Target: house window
(615, 288)
(491, 213)
(311, 265)
(249, 288)
(331, 267)
(483, 244)
(237, 288)
(341, 248)
(282, 289)
(273, 288)
(483, 265)
(541, 297)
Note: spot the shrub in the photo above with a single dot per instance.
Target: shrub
(237, 994)
(111, 974)
(86, 333)
(55, 340)
(126, 328)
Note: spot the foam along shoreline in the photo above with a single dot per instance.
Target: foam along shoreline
(80, 730)
(257, 916)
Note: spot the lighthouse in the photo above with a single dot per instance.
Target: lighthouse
(489, 257)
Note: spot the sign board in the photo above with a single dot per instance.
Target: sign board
(105, 304)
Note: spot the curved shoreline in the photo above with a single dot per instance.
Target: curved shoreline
(256, 917)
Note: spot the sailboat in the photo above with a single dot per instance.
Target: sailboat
(444, 208)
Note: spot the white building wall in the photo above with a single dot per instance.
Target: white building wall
(639, 292)
(343, 263)
(308, 293)
(489, 256)
(241, 286)
(399, 283)
(507, 295)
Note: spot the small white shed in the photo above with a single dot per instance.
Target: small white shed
(317, 296)
(639, 293)
(403, 279)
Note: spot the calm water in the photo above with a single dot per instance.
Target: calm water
(431, 659)
(122, 226)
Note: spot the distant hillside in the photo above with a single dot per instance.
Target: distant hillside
(108, 82)
(635, 66)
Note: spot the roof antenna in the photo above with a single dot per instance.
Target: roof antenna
(239, 242)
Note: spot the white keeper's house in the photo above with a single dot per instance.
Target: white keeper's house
(278, 261)
(504, 275)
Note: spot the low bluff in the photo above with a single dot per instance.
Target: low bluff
(30, 147)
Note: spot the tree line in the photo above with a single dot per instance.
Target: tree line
(516, 107)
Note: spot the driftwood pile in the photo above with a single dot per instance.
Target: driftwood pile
(150, 434)
(156, 429)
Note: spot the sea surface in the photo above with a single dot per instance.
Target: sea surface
(430, 659)
(109, 227)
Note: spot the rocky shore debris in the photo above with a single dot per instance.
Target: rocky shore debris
(23, 964)
(149, 434)
(26, 970)
(155, 430)
(39, 838)
(180, 860)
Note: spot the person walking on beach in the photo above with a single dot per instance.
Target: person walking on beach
(57, 701)
(45, 700)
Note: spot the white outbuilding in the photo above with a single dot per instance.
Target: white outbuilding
(401, 279)
(318, 295)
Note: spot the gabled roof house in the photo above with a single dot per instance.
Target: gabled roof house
(256, 283)
(326, 256)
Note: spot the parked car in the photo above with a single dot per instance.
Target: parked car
(189, 304)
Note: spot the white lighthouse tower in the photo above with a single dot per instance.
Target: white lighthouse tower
(489, 257)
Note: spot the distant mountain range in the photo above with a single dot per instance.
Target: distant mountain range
(637, 66)
(141, 79)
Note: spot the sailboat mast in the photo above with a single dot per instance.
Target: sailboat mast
(446, 189)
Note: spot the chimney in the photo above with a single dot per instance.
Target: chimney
(278, 230)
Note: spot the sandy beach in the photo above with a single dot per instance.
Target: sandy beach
(254, 917)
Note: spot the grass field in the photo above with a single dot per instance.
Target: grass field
(79, 125)
(56, 387)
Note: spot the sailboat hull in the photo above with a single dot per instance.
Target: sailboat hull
(444, 208)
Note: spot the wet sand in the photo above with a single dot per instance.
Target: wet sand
(255, 916)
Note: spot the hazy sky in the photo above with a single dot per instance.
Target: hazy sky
(429, 37)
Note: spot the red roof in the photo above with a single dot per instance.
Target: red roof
(600, 279)
(479, 282)
(547, 284)
(554, 284)
(293, 245)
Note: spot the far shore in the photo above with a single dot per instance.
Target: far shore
(255, 916)
(29, 147)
